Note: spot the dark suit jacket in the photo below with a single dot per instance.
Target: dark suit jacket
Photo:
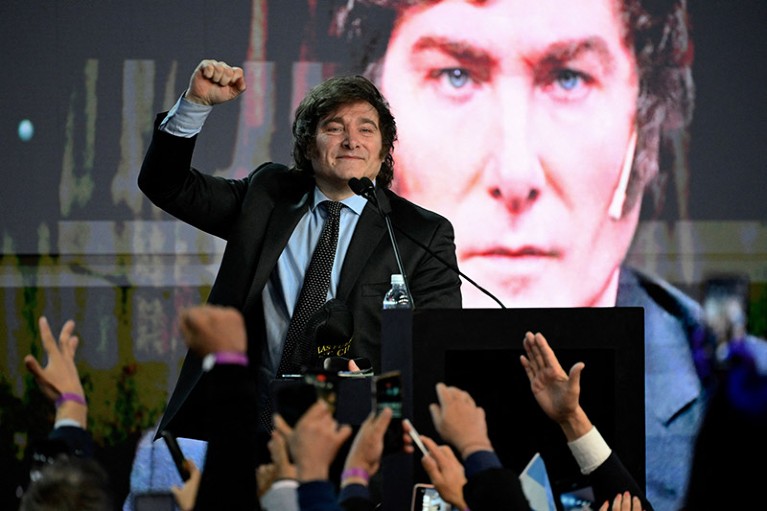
(256, 216)
(499, 488)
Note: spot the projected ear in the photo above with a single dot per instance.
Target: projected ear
(619, 196)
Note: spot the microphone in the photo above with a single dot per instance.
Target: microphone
(365, 188)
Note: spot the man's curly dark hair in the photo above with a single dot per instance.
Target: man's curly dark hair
(326, 98)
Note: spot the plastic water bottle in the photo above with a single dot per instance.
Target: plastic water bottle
(397, 297)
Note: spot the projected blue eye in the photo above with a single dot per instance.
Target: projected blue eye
(568, 79)
(457, 77)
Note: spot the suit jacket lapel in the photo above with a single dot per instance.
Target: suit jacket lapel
(367, 235)
(282, 222)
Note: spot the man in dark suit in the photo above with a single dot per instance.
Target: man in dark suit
(271, 222)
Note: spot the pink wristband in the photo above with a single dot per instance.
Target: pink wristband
(355, 472)
(70, 396)
(224, 358)
(231, 357)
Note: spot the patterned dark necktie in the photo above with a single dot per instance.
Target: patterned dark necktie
(298, 351)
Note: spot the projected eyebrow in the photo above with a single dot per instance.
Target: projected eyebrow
(562, 52)
(552, 55)
(465, 53)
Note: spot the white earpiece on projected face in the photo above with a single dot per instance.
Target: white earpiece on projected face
(619, 197)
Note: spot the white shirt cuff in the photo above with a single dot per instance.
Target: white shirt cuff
(185, 119)
(589, 451)
(282, 495)
(67, 422)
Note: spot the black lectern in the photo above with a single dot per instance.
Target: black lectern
(478, 350)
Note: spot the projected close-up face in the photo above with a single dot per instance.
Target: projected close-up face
(515, 120)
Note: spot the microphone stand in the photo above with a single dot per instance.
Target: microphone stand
(456, 270)
(365, 188)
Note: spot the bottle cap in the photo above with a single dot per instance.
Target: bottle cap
(397, 278)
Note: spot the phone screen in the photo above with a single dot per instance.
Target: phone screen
(388, 394)
(427, 498)
(578, 499)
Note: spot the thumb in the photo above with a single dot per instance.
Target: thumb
(575, 372)
(434, 411)
(353, 365)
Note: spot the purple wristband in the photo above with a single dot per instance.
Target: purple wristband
(70, 396)
(224, 358)
(355, 472)
(232, 358)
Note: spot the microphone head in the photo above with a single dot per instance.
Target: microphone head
(363, 186)
(356, 185)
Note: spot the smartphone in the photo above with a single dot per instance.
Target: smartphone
(292, 398)
(387, 393)
(176, 454)
(415, 436)
(325, 385)
(427, 498)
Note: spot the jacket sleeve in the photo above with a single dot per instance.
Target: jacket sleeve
(495, 488)
(612, 478)
(167, 178)
(229, 475)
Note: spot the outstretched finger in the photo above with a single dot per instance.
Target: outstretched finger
(538, 346)
(550, 359)
(534, 360)
(436, 414)
(33, 366)
(66, 331)
(529, 371)
(69, 346)
(49, 343)
(382, 420)
(436, 452)
(441, 393)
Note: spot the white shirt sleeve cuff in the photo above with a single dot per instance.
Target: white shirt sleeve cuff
(185, 119)
(282, 495)
(67, 422)
(589, 451)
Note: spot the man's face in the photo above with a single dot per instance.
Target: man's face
(514, 119)
(348, 144)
